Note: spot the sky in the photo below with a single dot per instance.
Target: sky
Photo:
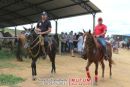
(115, 14)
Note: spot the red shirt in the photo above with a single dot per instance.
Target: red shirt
(99, 29)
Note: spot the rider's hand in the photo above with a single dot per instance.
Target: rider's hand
(97, 35)
(38, 30)
(41, 33)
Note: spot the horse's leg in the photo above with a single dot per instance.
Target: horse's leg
(53, 67)
(53, 63)
(103, 68)
(52, 59)
(87, 70)
(96, 71)
(33, 65)
(110, 60)
(110, 66)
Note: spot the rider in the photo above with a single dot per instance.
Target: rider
(44, 28)
(100, 31)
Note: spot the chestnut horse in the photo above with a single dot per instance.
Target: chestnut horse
(94, 54)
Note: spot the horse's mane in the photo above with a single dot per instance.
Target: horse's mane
(90, 41)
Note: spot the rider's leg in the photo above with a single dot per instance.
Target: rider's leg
(102, 41)
(45, 44)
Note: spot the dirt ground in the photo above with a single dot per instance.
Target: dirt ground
(68, 68)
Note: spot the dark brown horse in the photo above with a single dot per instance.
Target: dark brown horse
(37, 49)
(94, 54)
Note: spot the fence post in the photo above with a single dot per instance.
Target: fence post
(59, 44)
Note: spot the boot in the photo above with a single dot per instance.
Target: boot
(106, 57)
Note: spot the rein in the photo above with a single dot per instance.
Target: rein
(39, 43)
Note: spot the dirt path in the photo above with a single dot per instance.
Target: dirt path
(68, 68)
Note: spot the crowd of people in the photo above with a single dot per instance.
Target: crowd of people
(71, 42)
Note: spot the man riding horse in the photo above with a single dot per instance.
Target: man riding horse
(43, 28)
(95, 53)
(100, 31)
(39, 44)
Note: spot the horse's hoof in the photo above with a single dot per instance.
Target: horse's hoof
(110, 77)
(54, 72)
(33, 78)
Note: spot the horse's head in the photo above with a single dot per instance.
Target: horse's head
(29, 34)
(88, 39)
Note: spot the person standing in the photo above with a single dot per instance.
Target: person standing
(80, 43)
(62, 42)
(71, 44)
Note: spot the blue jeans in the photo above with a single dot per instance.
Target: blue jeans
(71, 46)
(46, 39)
(102, 41)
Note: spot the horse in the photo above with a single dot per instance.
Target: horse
(36, 49)
(94, 54)
(20, 43)
(7, 43)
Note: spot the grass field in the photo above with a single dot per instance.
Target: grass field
(10, 80)
(5, 63)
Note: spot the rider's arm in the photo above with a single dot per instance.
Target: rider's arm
(37, 29)
(46, 32)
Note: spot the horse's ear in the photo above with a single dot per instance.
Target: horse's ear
(25, 28)
(89, 31)
(33, 29)
(84, 31)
